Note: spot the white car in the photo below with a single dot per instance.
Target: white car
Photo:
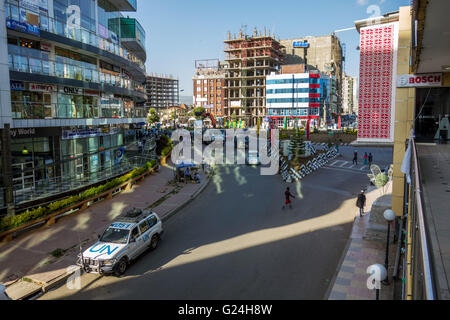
(3, 295)
(122, 242)
(253, 158)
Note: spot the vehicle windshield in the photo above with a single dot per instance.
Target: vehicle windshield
(113, 235)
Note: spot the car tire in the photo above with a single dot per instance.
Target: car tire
(154, 242)
(121, 267)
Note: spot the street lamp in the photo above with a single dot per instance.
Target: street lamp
(389, 216)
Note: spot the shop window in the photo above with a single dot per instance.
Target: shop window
(93, 144)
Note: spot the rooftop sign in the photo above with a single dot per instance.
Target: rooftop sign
(300, 44)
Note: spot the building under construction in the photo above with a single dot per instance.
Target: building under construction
(249, 60)
(162, 91)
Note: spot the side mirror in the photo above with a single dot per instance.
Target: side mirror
(99, 236)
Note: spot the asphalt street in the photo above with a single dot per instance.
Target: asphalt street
(236, 242)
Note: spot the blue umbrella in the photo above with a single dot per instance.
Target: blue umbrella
(183, 165)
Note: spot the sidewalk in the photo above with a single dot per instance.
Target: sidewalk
(351, 280)
(30, 255)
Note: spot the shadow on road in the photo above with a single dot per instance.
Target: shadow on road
(235, 242)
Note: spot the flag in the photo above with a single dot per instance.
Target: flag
(406, 165)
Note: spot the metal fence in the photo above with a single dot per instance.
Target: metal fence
(420, 271)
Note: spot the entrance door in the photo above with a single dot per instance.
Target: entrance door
(23, 177)
(79, 167)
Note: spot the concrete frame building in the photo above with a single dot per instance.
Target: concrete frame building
(71, 91)
(250, 60)
(162, 91)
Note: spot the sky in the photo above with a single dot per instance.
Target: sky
(178, 32)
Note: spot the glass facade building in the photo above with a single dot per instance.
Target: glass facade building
(295, 98)
(77, 90)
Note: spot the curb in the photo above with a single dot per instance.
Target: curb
(57, 282)
(170, 214)
(340, 263)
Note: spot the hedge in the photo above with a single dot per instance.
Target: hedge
(166, 151)
(8, 223)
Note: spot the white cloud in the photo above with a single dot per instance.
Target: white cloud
(363, 2)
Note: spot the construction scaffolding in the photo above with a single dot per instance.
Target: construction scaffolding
(249, 60)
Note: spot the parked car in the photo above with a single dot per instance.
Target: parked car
(122, 242)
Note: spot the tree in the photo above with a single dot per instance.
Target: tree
(297, 145)
(198, 112)
(153, 116)
(233, 116)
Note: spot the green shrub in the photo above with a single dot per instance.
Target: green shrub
(381, 180)
(166, 151)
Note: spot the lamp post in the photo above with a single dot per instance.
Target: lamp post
(389, 216)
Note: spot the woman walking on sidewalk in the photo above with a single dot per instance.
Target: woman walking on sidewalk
(361, 203)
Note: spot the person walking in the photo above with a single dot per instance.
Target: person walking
(361, 202)
(370, 159)
(366, 159)
(355, 157)
(288, 196)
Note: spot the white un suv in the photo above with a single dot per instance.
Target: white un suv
(123, 241)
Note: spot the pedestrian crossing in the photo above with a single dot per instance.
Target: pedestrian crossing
(349, 165)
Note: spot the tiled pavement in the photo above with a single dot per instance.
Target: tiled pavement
(351, 281)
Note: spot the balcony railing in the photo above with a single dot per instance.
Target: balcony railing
(65, 70)
(39, 110)
(82, 35)
(421, 267)
(40, 189)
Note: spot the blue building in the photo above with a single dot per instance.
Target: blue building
(295, 98)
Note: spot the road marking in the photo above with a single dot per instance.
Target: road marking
(344, 170)
(362, 169)
(345, 163)
(335, 162)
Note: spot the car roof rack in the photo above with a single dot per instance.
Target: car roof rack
(134, 215)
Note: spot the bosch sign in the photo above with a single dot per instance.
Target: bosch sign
(420, 80)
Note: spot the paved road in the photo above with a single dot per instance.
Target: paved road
(235, 242)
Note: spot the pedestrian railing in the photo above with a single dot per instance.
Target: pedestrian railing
(41, 189)
(78, 207)
(422, 285)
